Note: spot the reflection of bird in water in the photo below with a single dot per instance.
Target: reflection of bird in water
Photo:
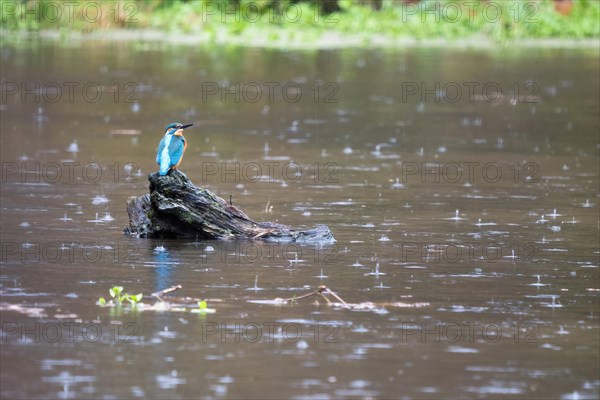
(164, 264)
(171, 148)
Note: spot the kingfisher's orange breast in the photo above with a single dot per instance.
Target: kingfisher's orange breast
(184, 147)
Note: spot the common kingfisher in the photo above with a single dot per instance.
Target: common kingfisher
(171, 148)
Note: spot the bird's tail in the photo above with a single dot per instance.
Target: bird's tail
(164, 167)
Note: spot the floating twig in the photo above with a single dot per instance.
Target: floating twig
(166, 291)
(317, 291)
(323, 291)
(336, 296)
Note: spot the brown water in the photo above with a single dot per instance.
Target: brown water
(505, 256)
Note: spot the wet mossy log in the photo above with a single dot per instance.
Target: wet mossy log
(175, 207)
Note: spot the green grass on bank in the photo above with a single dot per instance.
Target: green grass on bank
(305, 21)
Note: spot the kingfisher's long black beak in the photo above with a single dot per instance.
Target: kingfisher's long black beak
(186, 126)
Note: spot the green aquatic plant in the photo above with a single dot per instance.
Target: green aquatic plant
(134, 299)
(116, 292)
(120, 297)
(203, 308)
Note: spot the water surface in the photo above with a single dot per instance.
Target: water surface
(481, 210)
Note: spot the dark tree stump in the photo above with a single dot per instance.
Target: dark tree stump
(175, 207)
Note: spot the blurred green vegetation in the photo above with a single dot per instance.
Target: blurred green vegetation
(312, 21)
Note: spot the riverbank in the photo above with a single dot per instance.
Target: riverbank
(328, 41)
(304, 25)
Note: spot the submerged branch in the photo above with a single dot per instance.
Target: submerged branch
(324, 290)
(321, 290)
(175, 207)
